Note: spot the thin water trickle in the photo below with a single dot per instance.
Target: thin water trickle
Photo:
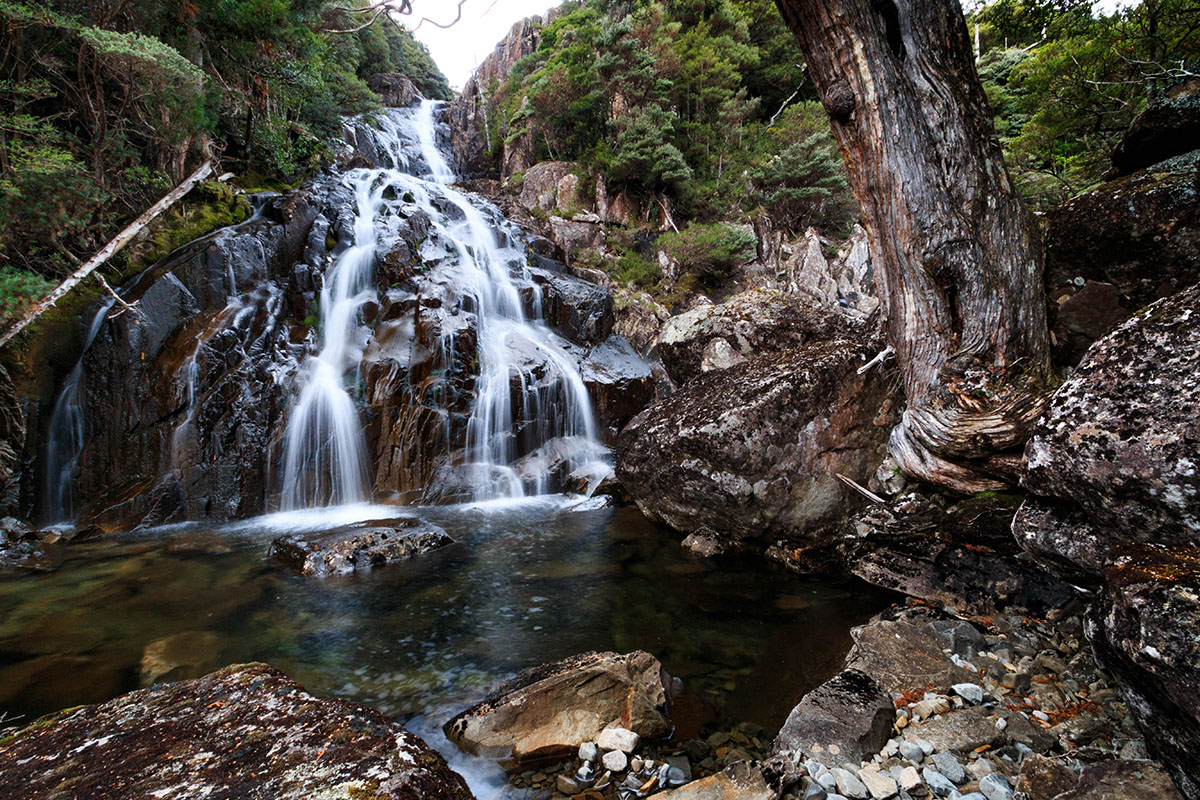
(530, 401)
(65, 437)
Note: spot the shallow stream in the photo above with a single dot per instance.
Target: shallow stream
(526, 582)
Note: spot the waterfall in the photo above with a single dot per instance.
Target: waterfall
(531, 417)
(325, 460)
(65, 437)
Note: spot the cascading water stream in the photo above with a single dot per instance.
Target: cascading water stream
(324, 450)
(531, 416)
(65, 435)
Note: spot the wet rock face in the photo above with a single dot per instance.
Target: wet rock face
(751, 451)
(582, 311)
(12, 434)
(845, 720)
(552, 709)
(244, 731)
(344, 550)
(1139, 235)
(619, 382)
(1119, 442)
(1144, 632)
(186, 398)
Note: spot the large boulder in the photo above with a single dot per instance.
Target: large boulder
(1112, 465)
(1119, 247)
(581, 310)
(754, 450)
(394, 88)
(619, 381)
(550, 710)
(1144, 631)
(758, 322)
(244, 731)
(1170, 126)
(1114, 457)
(962, 555)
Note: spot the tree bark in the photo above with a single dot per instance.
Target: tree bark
(958, 261)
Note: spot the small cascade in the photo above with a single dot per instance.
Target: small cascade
(531, 419)
(325, 459)
(65, 437)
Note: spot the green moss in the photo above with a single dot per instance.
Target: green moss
(217, 206)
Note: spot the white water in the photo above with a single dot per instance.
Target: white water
(531, 411)
(65, 437)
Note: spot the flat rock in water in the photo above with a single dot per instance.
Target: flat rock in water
(847, 719)
(246, 731)
(552, 709)
(345, 550)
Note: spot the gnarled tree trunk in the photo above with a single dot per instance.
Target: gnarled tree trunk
(957, 257)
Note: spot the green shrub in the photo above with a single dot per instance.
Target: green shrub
(708, 252)
(637, 271)
(19, 289)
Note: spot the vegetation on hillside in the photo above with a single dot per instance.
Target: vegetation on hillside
(104, 104)
(702, 102)
(1065, 81)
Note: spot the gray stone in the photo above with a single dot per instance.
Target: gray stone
(621, 739)
(938, 783)
(971, 692)
(879, 785)
(964, 730)
(996, 787)
(588, 751)
(615, 760)
(949, 766)
(849, 785)
(912, 751)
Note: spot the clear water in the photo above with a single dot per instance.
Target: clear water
(523, 584)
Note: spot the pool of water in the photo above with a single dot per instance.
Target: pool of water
(523, 584)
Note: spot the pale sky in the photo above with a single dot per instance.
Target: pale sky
(457, 50)
(460, 48)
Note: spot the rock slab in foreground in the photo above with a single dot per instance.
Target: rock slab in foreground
(345, 550)
(552, 709)
(246, 731)
(847, 719)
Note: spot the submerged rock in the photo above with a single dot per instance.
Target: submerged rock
(348, 549)
(246, 731)
(552, 709)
